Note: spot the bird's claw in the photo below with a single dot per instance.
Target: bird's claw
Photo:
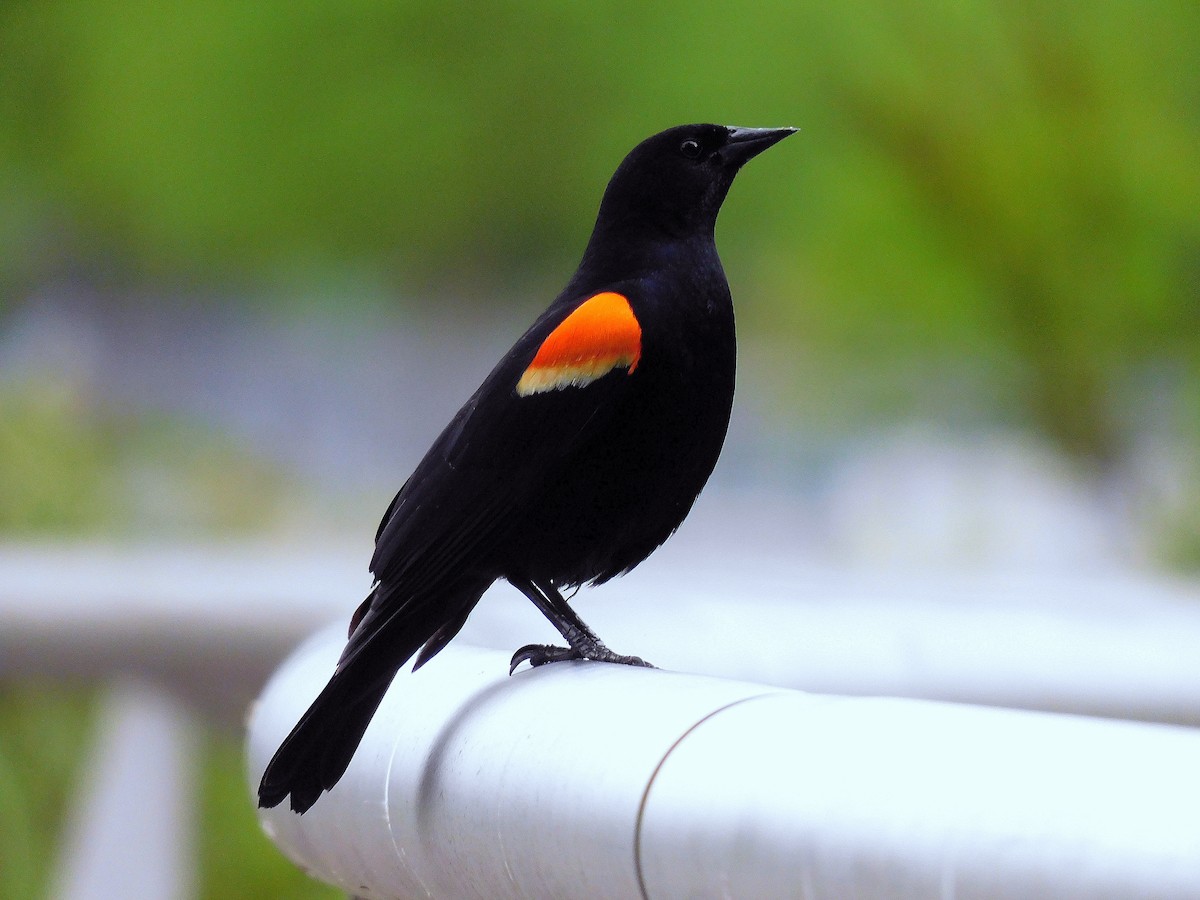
(542, 654)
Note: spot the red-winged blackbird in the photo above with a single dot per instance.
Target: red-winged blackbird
(580, 453)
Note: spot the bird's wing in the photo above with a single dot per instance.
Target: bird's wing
(558, 385)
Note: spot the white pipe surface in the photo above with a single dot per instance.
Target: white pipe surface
(592, 781)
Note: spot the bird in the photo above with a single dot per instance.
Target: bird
(579, 455)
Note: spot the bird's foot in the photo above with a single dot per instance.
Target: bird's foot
(541, 654)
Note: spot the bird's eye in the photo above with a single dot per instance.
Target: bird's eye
(690, 149)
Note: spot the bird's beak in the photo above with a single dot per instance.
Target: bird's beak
(746, 143)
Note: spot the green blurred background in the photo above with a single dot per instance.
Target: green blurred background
(990, 219)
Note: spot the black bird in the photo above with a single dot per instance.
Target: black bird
(580, 453)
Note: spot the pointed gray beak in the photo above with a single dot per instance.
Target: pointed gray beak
(746, 143)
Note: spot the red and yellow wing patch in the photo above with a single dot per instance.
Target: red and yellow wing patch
(602, 334)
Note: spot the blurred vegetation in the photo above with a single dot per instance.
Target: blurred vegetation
(42, 735)
(71, 467)
(987, 196)
(1011, 187)
(236, 860)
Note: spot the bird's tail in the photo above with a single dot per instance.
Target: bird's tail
(384, 635)
(315, 755)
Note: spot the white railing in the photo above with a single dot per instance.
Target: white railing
(202, 627)
(595, 781)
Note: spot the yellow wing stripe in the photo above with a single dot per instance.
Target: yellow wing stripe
(602, 334)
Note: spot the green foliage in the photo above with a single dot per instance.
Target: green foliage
(52, 465)
(236, 859)
(1015, 185)
(1030, 187)
(1179, 546)
(67, 467)
(43, 733)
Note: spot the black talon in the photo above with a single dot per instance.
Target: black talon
(541, 654)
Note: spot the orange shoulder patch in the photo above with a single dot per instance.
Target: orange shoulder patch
(602, 334)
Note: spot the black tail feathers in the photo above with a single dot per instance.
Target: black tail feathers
(384, 636)
(318, 751)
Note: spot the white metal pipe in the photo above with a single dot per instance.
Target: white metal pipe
(587, 780)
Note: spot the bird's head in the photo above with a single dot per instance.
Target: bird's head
(674, 182)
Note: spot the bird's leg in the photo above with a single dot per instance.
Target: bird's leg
(584, 644)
